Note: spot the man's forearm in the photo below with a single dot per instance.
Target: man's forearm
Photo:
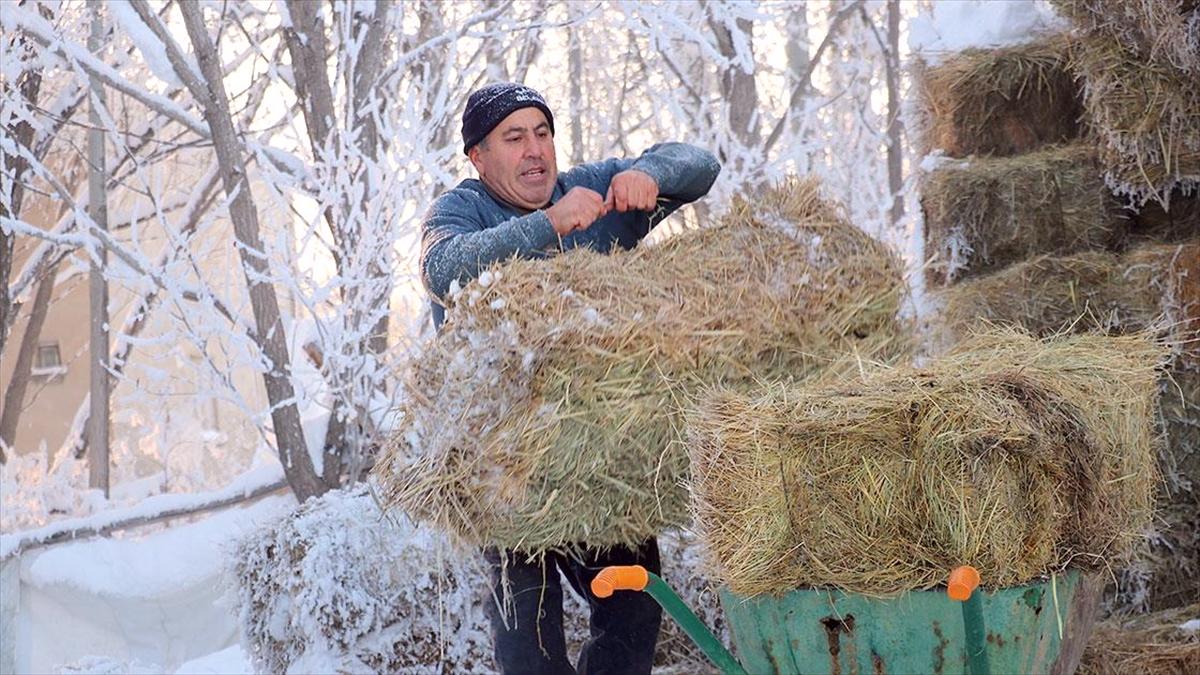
(456, 255)
(683, 172)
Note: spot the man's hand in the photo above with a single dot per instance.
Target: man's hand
(577, 210)
(632, 190)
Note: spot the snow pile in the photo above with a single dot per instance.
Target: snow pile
(954, 26)
(145, 602)
(338, 588)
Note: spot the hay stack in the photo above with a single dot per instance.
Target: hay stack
(1000, 101)
(1163, 643)
(1145, 114)
(984, 214)
(1011, 454)
(547, 410)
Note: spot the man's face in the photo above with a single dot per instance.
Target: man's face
(516, 160)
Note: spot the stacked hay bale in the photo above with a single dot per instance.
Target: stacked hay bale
(1091, 224)
(548, 411)
(1016, 455)
(1166, 642)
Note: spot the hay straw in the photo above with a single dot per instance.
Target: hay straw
(547, 411)
(984, 214)
(1141, 289)
(1154, 644)
(1014, 455)
(1000, 101)
(1145, 114)
(1163, 32)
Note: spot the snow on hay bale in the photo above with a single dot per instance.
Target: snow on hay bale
(1162, 643)
(985, 213)
(1161, 32)
(337, 587)
(1145, 115)
(1014, 455)
(547, 411)
(999, 101)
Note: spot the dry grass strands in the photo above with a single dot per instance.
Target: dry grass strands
(1147, 116)
(1015, 455)
(984, 214)
(1163, 32)
(1000, 101)
(1153, 644)
(1144, 288)
(547, 411)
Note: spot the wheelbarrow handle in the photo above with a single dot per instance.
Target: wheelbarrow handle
(638, 578)
(961, 586)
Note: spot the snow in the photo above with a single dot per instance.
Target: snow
(954, 25)
(152, 49)
(143, 603)
(1190, 626)
(257, 477)
(229, 661)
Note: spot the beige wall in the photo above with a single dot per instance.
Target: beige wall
(51, 402)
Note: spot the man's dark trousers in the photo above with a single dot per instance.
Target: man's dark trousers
(624, 627)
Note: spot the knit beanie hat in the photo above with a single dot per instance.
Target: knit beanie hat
(488, 106)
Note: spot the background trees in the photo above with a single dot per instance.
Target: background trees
(267, 165)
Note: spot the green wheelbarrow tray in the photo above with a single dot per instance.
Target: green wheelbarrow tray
(1037, 628)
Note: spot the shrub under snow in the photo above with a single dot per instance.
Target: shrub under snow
(337, 587)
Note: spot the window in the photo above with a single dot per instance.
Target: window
(48, 361)
(48, 356)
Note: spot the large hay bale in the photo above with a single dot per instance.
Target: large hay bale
(546, 413)
(984, 214)
(1162, 32)
(1145, 115)
(1000, 101)
(1163, 643)
(1011, 454)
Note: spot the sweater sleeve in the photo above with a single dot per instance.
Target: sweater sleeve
(684, 173)
(456, 245)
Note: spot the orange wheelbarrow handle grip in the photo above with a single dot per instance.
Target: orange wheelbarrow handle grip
(619, 578)
(963, 582)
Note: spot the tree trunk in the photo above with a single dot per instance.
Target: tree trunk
(797, 52)
(895, 156)
(15, 166)
(285, 417)
(98, 420)
(575, 97)
(14, 393)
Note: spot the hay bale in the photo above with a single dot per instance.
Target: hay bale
(546, 413)
(1145, 117)
(1163, 643)
(1141, 289)
(1000, 101)
(984, 214)
(1162, 32)
(1014, 455)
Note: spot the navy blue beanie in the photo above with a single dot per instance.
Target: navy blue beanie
(489, 105)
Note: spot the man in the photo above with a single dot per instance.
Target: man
(521, 206)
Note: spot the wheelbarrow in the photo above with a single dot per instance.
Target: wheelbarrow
(1038, 628)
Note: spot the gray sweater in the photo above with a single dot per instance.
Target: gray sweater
(468, 228)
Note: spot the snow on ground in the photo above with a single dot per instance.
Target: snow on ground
(140, 603)
(954, 25)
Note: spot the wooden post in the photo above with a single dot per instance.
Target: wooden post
(98, 421)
